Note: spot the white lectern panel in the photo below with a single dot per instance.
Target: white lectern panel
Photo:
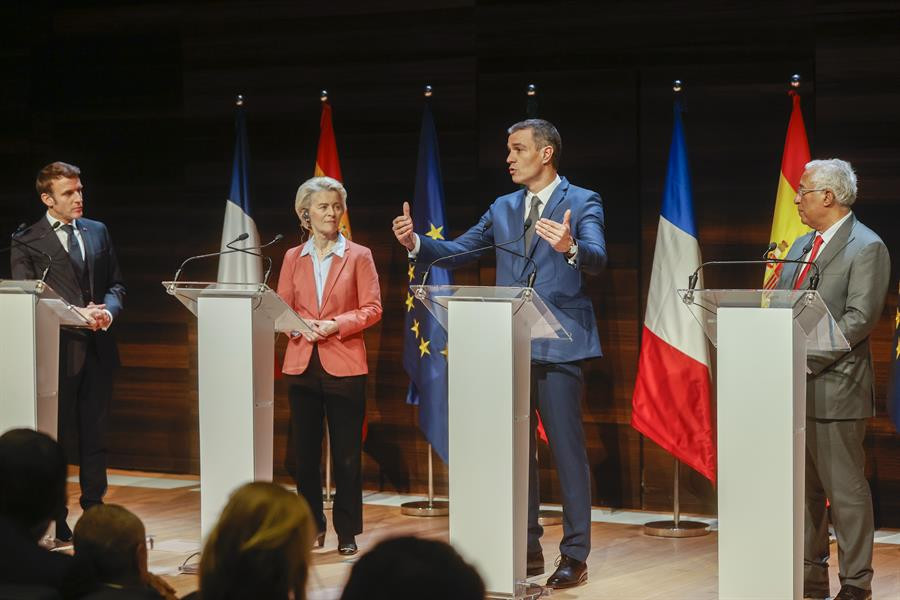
(761, 387)
(489, 379)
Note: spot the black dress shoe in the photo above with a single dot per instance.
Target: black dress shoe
(347, 547)
(569, 573)
(851, 592)
(63, 532)
(535, 563)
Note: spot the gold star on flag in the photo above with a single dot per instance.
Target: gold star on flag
(445, 351)
(423, 348)
(897, 320)
(409, 302)
(412, 272)
(435, 232)
(415, 328)
(898, 350)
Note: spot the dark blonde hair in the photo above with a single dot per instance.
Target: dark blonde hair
(260, 547)
(55, 170)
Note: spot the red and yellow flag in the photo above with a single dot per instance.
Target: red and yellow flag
(327, 163)
(786, 224)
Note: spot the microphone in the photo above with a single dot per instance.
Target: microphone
(189, 259)
(772, 246)
(244, 236)
(420, 291)
(22, 230)
(813, 282)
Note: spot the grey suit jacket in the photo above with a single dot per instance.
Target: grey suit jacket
(855, 273)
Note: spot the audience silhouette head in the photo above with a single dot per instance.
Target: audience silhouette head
(260, 547)
(411, 568)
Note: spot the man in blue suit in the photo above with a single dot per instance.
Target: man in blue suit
(84, 270)
(560, 227)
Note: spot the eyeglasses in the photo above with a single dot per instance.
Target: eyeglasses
(802, 192)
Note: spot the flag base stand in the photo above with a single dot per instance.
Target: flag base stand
(676, 528)
(673, 529)
(429, 507)
(550, 517)
(425, 508)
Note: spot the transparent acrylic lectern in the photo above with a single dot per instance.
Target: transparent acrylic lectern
(489, 379)
(236, 324)
(762, 337)
(31, 314)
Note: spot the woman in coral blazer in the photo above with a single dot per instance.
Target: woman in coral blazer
(332, 284)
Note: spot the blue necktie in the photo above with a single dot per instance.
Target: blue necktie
(74, 249)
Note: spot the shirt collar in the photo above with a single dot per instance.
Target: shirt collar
(829, 233)
(339, 247)
(545, 193)
(53, 221)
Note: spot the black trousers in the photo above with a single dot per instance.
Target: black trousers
(85, 392)
(315, 395)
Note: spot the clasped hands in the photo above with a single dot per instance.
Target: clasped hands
(95, 316)
(558, 235)
(321, 329)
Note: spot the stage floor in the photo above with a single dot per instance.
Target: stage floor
(624, 563)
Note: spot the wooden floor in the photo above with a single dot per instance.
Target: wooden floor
(624, 563)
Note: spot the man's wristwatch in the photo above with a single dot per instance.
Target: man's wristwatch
(573, 249)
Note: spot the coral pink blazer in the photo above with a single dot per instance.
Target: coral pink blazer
(351, 297)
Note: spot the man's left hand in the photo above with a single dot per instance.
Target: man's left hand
(99, 317)
(558, 235)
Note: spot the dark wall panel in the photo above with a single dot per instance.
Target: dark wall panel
(140, 95)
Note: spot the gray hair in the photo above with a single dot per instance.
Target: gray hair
(313, 186)
(836, 175)
(544, 134)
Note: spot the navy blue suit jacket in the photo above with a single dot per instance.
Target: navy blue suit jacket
(560, 284)
(107, 286)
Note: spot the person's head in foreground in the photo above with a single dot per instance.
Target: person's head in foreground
(260, 547)
(112, 539)
(409, 567)
(32, 480)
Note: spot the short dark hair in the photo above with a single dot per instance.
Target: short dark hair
(32, 479)
(544, 133)
(400, 568)
(55, 170)
(107, 537)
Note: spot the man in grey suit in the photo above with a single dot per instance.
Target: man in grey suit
(855, 272)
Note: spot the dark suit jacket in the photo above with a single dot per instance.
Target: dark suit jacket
(855, 272)
(560, 284)
(105, 276)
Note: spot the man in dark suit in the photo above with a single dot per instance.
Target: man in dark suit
(855, 270)
(564, 237)
(83, 270)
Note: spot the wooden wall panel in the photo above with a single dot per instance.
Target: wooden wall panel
(140, 96)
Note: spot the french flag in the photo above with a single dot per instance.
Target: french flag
(240, 267)
(671, 402)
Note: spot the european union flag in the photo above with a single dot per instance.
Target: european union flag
(893, 399)
(425, 341)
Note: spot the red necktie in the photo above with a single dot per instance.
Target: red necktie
(812, 256)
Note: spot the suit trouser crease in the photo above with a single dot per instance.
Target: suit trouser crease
(835, 470)
(85, 393)
(556, 393)
(314, 396)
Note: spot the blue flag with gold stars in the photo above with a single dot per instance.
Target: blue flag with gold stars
(425, 341)
(893, 399)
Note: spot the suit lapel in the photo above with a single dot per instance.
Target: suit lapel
(837, 243)
(334, 271)
(789, 271)
(308, 297)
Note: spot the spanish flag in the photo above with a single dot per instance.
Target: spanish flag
(327, 163)
(786, 224)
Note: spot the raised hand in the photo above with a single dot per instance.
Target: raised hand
(558, 235)
(403, 228)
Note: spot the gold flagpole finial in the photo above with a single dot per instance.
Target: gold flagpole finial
(239, 101)
(323, 95)
(677, 86)
(429, 91)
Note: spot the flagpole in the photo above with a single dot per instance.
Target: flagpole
(676, 528)
(429, 507)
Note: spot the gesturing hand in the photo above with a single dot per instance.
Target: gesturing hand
(403, 228)
(558, 235)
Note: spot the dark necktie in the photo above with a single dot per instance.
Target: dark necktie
(533, 216)
(74, 249)
(812, 257)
